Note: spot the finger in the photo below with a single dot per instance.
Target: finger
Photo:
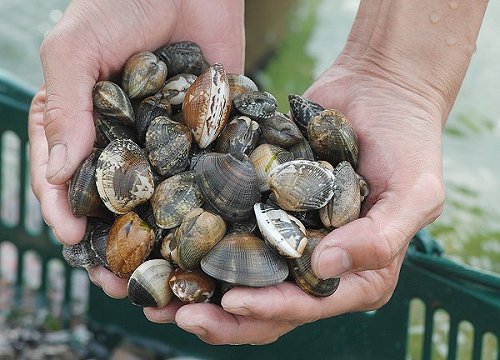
(112, 285)
(53, 198)
(215, 326)
(372, 242)
(164, 315)
(70, 76)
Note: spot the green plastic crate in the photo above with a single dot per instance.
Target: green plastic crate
(433, 293)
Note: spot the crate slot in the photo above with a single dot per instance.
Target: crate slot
(11, 168)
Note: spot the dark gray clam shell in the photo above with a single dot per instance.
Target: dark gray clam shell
(148, 284)
(111, 101)
(183, 57)
(301, 271)
(303, 110)
(229, 185)
(99, 240)
(280, 130)
(168, 144)
(150, 108)
(302, 150)
(240, 136)
(81, 254)
(143, 75)
(107, 130)
(256, 104)
(244, 259)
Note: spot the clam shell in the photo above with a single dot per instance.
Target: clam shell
(302, 151)
(301, 271)
(148, 284)
(345, 204)
(123, 176)
(301, 185)
(265, 158)
(111, 101)
(174, 198)
(177, 86)
(143, 75)
(81, 254)
(279, 130)
(206, 105)
(303, 110)
(240, 136)
(244, 259)
(99, 241)
(229, 185)
(150, 108)
(107, 130)
(199, 231)
(256, 104)
(82, 191)
(168, 144)
(239, 84)
(192, 286)
(182, 57)
(332, 138)
(130, 241)
(280, 230)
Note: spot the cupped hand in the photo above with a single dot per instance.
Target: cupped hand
(399, 131)
(91, 42)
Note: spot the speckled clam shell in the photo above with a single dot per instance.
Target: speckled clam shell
(148, 284)
(240, 136)
(82, 191)
(123, 176)
(107, 130)
(111, 101)
(177, 86)
(280, 230)
(301, 185)
(130, 241)
(265, 158)
(206, 105)
(229, 185)
(244, 259)
(345, 204)
(150, 108)
(168, 144)
(174, 198)
(303, 110)
(81, 254)
(256, 104)
(302, 151)
(238, 84)
(192, 286)
(280, 130)
(332, 138)
(199, 231)
(143, 75)
(182, 57)
(303, 275)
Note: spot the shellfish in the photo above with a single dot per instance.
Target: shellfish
(192, 286)
(111, 101)
(148, 285)
(143, 75)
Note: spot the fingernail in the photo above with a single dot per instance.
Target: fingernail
(333, 262)
(237, 310)
(197, 330)
(57, 160)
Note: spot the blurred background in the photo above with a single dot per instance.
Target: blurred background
(289, 43)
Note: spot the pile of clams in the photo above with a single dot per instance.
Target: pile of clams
(198, 184)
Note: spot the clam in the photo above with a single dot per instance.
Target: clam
(281, 230)
(309, 218)
(302, 150)
(149, 108)
(199, 231)
(174, 198)
(265, 158)
(345, 204)
(206, 105)
(332, 138)
(256, 104)
(123, 176)
(111, 101)
(229, 185)
(301, 271)
(279, 130)
(247, 226)
(107, 130)
(239, 84)
(148, 284)
(176, 87)
(244, 259)
(168, 144)
(81, 254)
(192, 286)
(301, 185)
(99, 241)
(130, 241)
(240, 136)
(143, 75)
(303, 110)
(365, 189)
(82, 191)
(182, 57)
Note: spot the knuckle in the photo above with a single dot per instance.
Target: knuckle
(384, 251)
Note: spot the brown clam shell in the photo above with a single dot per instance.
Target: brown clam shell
(143, 75)
(192, 286)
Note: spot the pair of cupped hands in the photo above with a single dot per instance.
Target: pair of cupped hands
(400, 156)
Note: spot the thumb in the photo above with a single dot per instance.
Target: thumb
(374, 241)
(68, 120)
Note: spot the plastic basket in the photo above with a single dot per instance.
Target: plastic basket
(436, 301)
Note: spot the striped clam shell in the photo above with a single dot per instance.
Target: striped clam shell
(111, 101)
(148, 284)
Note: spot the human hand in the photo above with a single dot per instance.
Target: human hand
(91, 42)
